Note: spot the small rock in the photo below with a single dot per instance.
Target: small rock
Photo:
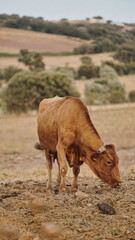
(106, 209)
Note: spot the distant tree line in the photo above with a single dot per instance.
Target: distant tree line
(82, 30)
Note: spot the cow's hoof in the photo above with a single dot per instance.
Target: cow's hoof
(74, 189)
(63, 189)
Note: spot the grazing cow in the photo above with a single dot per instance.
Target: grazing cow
(67, 134)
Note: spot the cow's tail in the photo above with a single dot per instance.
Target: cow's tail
(38, 146)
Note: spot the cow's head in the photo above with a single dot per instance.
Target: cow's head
(104, 164)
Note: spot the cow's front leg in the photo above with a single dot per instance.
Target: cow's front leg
(58, 174)
(63, 167)
(49, 167)
(76, 170)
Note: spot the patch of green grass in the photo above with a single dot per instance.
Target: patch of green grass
(6, 54)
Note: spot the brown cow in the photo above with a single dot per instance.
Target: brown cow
(67, 134)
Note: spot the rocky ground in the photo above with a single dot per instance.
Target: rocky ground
(28, 211)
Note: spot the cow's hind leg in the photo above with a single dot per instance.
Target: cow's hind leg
(76, 170)
(49, 167)
(63, 166)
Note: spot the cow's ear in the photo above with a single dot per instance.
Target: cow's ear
(95, 157)
(110, 146)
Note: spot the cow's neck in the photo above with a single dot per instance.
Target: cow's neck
(91, 139)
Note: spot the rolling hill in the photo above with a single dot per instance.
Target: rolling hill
(12, 40)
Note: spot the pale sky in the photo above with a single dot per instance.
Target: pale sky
(115, 10)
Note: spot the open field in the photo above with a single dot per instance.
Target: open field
(52, 62)
(23, 179)
(18, 134)
(12, 40)
(128, 81)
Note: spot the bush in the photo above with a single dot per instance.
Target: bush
(10, 71)
(95, 98)
(107, 73)
(33, 60)
(122, 68)
(107, 89)
(69, 71)
(1, 74)
(131, 67)
(83, 49)
(117, 96)
(131, 96)
(87, 70)
(25, 90)
(102, 44)
(126, 53)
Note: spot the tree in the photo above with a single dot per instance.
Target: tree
(33, 60)
(26, 89)
(10, 71)
(126, 52)
(131, 96)
(87, 70)
(105, 90)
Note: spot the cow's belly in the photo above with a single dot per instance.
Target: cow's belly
(48, 139)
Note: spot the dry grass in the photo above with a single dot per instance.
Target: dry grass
(12, 40)
(19, 135)
(55, 61)
(128, 81)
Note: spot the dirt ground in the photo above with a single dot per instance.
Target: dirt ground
(27, 207)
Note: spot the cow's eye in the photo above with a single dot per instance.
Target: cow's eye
(108, 163)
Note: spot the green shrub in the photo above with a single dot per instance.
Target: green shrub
(130, 67)
(69, 71)
(87, 70)
(1, 74)
(33, 60)
(10, 71)
(83, 49)
(95, 98)
(102, 44)
(107, 73)
(126, 52)
(131, 96)
(106, 90)
(25, 90)
(117, 96)
(120, 68)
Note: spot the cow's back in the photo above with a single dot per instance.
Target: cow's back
(59, 116)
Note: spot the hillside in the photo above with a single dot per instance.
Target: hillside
(12, 40)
